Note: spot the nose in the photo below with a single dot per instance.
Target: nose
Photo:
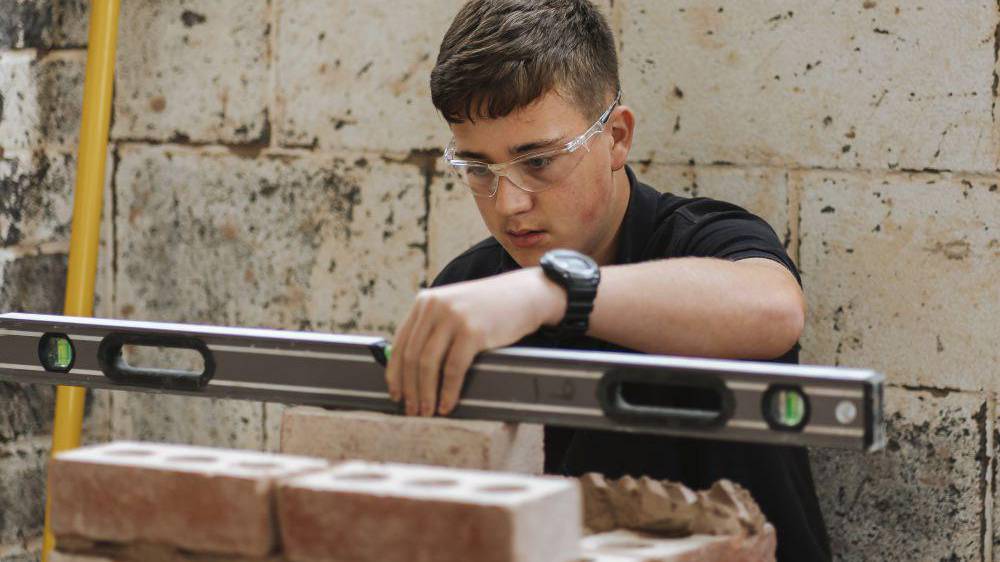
(512, 200)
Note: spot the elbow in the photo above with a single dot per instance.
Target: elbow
(795, 324)
(789, 321)
(781, 323)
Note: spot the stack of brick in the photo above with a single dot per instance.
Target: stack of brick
(144, 502)
(637, 520)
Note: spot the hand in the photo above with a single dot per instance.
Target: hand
(447, 326)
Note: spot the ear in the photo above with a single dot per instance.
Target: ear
(622, 126)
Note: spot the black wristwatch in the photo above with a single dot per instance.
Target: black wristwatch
(579, 276)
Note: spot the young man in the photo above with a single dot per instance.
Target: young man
(530, 89)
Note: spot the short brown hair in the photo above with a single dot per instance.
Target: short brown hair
(501, 55)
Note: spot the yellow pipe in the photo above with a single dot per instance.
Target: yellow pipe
(87, 202)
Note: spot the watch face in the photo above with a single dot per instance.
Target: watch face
(574, 263)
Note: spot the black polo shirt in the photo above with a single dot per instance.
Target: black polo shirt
(659, 226)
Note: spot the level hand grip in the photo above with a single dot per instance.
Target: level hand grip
(649, 395)
(114, 366)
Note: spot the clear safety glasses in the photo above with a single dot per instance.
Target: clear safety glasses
(531, 172)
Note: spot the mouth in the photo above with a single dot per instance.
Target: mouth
(526, 238)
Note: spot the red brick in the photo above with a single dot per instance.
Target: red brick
(352, 435)
(82, 550)
(365, 512)
(195, 498)
(629, 546)
(145, 552)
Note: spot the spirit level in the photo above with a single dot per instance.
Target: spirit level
(700, 398)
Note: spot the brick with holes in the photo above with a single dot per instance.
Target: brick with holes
(369, 436)
(367, 512)
(195, 498)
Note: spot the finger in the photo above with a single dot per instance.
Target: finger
(415, 343)
(460, 356)
(393, 369)
(430, 367)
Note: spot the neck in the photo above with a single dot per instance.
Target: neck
(607, 253)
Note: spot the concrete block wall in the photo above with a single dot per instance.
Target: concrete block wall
(276, 163)
(41, 85)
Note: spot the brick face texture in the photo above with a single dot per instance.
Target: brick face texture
(362, 512)
(22, 482)
(39, 117)
(921, 497)
(627, 546)
(827, 84)
(484, 445)
(194, 498)
(193, 71)
(43, 24)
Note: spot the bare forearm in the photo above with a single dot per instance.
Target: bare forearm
(700, 307)
(752, 309)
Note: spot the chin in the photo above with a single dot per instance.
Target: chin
(527, 257)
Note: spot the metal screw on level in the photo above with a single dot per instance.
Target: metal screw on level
(846, 412)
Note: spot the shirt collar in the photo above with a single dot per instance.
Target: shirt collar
(639, 222)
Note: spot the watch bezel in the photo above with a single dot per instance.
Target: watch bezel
(556, 259)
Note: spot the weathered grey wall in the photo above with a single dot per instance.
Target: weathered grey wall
(275, 163)
(41, 84)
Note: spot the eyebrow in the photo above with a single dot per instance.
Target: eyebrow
(515, 151)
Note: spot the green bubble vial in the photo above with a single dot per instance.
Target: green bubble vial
(788, 407)
(57, 353)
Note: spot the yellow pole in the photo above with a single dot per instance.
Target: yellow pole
(87, 203)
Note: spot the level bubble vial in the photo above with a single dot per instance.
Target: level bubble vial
(56, 352)
(786, 407)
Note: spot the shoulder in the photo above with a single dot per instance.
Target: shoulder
(682, 215)
(676, 218)
(481, 260)
(694, 210)
(702, 226)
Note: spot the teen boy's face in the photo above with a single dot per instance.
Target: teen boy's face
(581, 212)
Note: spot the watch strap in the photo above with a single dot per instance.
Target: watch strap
(580, 297)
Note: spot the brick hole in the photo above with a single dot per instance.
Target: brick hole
(502, 489)
(195, 459)
(625, 545)
(361, 476)
(129, 453)
(258, 465)
(432, 483)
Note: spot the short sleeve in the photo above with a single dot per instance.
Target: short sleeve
(723, 230)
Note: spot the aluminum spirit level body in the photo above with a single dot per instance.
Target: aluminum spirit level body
(700, 398)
